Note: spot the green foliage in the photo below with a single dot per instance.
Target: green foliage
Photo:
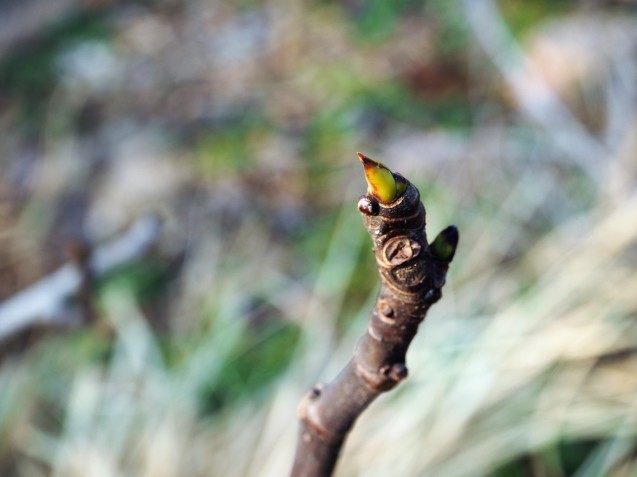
(53, 368)
(255, 361)
(563, 459)
(361, 285)
(146, 279)
(326, 130)
(522, 16)
(229, 149)
(33, 70)
(29, 74)
(336, 251)
(377, 20)
(452, 30)
(396, 101)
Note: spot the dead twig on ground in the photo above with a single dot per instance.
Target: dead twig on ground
(49, 301)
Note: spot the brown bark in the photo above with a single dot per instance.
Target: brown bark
(412, 274)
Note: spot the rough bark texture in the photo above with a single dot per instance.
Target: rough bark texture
(411, 280)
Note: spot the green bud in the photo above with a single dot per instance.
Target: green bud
(445, 244)
(381, 182)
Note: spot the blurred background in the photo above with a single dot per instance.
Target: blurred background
(230, 130)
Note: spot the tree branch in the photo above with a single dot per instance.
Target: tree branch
(47, 301)
(412, 273)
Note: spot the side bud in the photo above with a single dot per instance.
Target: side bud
(445, 244)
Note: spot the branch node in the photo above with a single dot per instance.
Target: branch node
(373, 333)
(314, 393)
(379, 380)
(398, 372)
(433, 295)
(315, 427)
(386, 313)
(398, 250)
(368, 205)
(439, 281)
